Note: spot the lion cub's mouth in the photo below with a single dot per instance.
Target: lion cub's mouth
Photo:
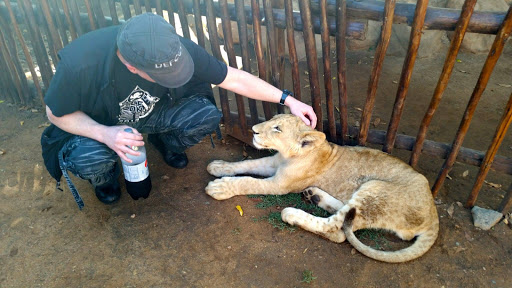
(256, 144)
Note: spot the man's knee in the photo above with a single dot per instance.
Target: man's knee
(90, 160)
(202, 118)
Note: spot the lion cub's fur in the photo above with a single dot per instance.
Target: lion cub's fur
(361, 187)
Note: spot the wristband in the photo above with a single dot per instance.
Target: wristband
(285, 94)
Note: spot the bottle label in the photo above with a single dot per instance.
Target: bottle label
(136, 173)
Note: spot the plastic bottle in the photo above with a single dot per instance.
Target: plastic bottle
(136, 174)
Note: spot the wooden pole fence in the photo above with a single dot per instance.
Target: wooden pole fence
(228, 44)
(311, 58)
(405, 77)
(501, 130)
(326, 55)
(380, 53)
(341, 24)
(442, 83)
(492, 59)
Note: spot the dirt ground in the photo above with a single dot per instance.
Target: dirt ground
(180, 237)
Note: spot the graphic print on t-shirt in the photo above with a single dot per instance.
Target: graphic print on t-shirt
(136, 106)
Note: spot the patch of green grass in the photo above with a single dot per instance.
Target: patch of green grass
(307, 276)
(283, 201)
(274, 219)
(236, 231)
(374, 238)
(289, 200)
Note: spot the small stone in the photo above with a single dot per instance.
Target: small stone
(132, 216)
(353, 251)
(485, 219)
(13, 252)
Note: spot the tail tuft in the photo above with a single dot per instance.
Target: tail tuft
(349, 217)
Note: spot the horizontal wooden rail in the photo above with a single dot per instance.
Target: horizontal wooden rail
(355, 30)
(436, 18)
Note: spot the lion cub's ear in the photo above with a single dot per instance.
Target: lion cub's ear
(311, 138)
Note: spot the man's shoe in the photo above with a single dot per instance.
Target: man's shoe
(176, 160)
(108, 194)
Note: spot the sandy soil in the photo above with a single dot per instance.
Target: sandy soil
(180, 237)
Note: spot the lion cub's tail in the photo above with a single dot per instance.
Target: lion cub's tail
(419, 247)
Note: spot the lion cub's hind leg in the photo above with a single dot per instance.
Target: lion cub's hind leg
(322, 199)
(330, 228)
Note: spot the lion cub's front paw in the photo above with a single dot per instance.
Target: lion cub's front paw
(219, 168)
(219, 189)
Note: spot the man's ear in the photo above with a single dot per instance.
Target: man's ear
(311, 138)
(128, 65)
(131, 68)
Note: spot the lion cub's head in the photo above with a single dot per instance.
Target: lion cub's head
(286, 134)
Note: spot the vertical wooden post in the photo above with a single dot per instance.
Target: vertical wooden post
(199, 23)
(228, 45)
(170, 13)
(380, 53)
(309, 40)
(280, 42)
(98, 12)
(272, 43)
(113, 12)
(28, 58)
(292, 49)
(460, 31)
(501, 130)
(76, 16)
(490, 62)
(147, 5)
(92, 20)
(45, 33)
(159, 9)
(244, 46)
(4, 52)
(258, 47)
(326, 53)
(405, 78)
(136, 7)
(71, 26)
(506, 203)
(12, 52)
(60, 25)
(125, 6)
(341, 30)
(183, 20)
(57, 44)
(215, 45)
(5, 82)
(37, 43)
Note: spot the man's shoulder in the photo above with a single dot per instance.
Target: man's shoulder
(94, 47)
(191, 46)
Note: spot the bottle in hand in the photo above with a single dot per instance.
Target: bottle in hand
(136, 174)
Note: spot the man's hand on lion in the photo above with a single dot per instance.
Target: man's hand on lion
(303, 111)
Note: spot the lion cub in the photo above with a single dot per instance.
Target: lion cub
(360, 187)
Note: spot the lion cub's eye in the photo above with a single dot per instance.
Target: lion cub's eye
(276, 128)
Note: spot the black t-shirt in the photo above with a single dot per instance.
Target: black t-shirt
(90, 78)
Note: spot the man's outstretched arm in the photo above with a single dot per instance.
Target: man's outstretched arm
(248, 85)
